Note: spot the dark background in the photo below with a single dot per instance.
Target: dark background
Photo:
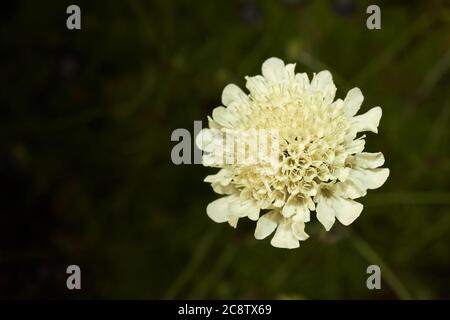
(85, 171)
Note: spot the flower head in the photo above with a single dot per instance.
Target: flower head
(318, 166)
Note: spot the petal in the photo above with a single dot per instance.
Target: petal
(323, 82)
(278, 198)
(302, 80)
(212, 124)
(369, 160)
(221, 189)
(221, 182)
(290, 70)
(284, 237)
(369, 178)
(353, 101)
(336, 107)
(368, 121)
(243, 208)
(232, 95)
(325, 213)
(355, 146)
(224, 176)
(267, 224)
(232, 221)
(342, 173)
(298, 229)
(253, 212)
(346, 210)
(204, 138)
(290, 208)
(257, 86)
(297, 207)
(223, 117)
(349, 190)
(303, 214)
(273, 69)
(218, 209)
(213, 159)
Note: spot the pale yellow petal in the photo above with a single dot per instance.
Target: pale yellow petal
(325, 213)
(323, 83)
(232, 221)
(243, 208)
(273, 70)
(355, 146)
(368, 121)
(369, 160)
(218, 210)
(267, 224)
(369, 178)
(232, 95)
(284, 237)
(223, 117)
(298, 229)
(346, 210)
(353, 101)
(348, 189)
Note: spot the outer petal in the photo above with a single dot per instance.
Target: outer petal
(243, 208)
(223, 117)
(218, 210)
(223, 176)
(323, 82)
(368, 121)
(353, 101)
(212, 124)
(298, 229)
(232, 95)
(253, 212)
(325, 213)
(223, 189)
(232, 221)
(297, 207)
(278, 197)
(273, 70)
(290, 71)
(257, 86)
(303, 214)
(350, 190)
(346, 210)
(209, 140)
(290, 208)
(284, 237)
(355, 146)
(221, 182)
(302, 80)
(267, 224)
(369, 178)
(369, 160)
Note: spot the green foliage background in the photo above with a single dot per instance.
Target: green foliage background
(87, 179)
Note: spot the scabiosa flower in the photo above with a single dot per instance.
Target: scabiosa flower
(321, 167)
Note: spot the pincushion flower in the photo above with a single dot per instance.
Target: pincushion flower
(321, 167)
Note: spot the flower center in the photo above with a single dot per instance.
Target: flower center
(312, 136)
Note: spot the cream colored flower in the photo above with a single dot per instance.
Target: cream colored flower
(321, 166)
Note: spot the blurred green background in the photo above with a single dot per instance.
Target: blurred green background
(86, 174)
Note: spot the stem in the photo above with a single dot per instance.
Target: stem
(196, 259)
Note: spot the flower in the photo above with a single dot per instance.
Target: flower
(320, 167)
